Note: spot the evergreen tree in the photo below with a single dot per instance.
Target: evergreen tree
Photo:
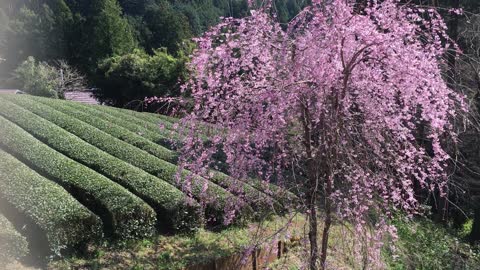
(166, 27)
(106, 33)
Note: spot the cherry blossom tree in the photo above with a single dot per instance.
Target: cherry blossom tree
(332, 103)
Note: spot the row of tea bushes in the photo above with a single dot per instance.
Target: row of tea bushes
(65, 222)
(218, 198)
(124, 215)
(175, 211)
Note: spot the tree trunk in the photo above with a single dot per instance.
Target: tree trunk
(475, 233)
(313, 232)
(327, 223)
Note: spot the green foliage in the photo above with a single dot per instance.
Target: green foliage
(466, 229)
(3, 31)
(12, 244)
(64, 220)
(174, 210)
(101, 36)
(124, 214)
(423, 244)
(37, 29)
(136, 75)
(37, 78)
(181, 251)
(42, 79)
(107, 32)
(98, 120)
(165, 27)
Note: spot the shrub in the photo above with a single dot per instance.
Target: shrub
(133, 122)
(166, 171)
(37, 78)
(12, 244)
(422, 244)
(174, 210)
(136, 75)
(64, 220)
(94, 119)
(152, 125)
(42, 79)
(124, 214)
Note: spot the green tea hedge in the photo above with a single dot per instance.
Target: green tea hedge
(175, 211)
(148, 124)
(124, 215)
(65, 222)
(259, 201)
(93, 119)
(12, 244)
(118, 118)
(218, 196)
(125, 119)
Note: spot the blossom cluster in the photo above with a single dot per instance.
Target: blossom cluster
(354, 99)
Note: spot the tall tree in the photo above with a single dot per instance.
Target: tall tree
(106, 33)
(330, 106)
(166, 27)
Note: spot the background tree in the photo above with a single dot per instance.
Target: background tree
(69, 78)
(107, 32)
(134, 76)
(37, 78)
(165, 27)
(41, 79)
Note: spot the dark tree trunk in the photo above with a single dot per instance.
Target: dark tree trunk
(327, 223)
(313, 232)
(441, 207)
(312, 189)
(475, 233)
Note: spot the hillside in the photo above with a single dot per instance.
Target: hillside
(81, 173)
(77, 177)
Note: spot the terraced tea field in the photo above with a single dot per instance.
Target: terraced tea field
(81, 173)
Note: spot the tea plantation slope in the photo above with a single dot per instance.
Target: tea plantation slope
(261, 203)
(175, 211)
(166, 171)
(124, 215)
(147, 126)
(65, 222)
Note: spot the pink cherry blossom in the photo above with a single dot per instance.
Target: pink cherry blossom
(331, 103)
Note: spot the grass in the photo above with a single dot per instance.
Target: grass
(179, 251)
(424, 244)
(421, 244)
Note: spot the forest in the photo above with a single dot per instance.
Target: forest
(127, 49)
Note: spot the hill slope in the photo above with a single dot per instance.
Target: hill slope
(114, 166)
